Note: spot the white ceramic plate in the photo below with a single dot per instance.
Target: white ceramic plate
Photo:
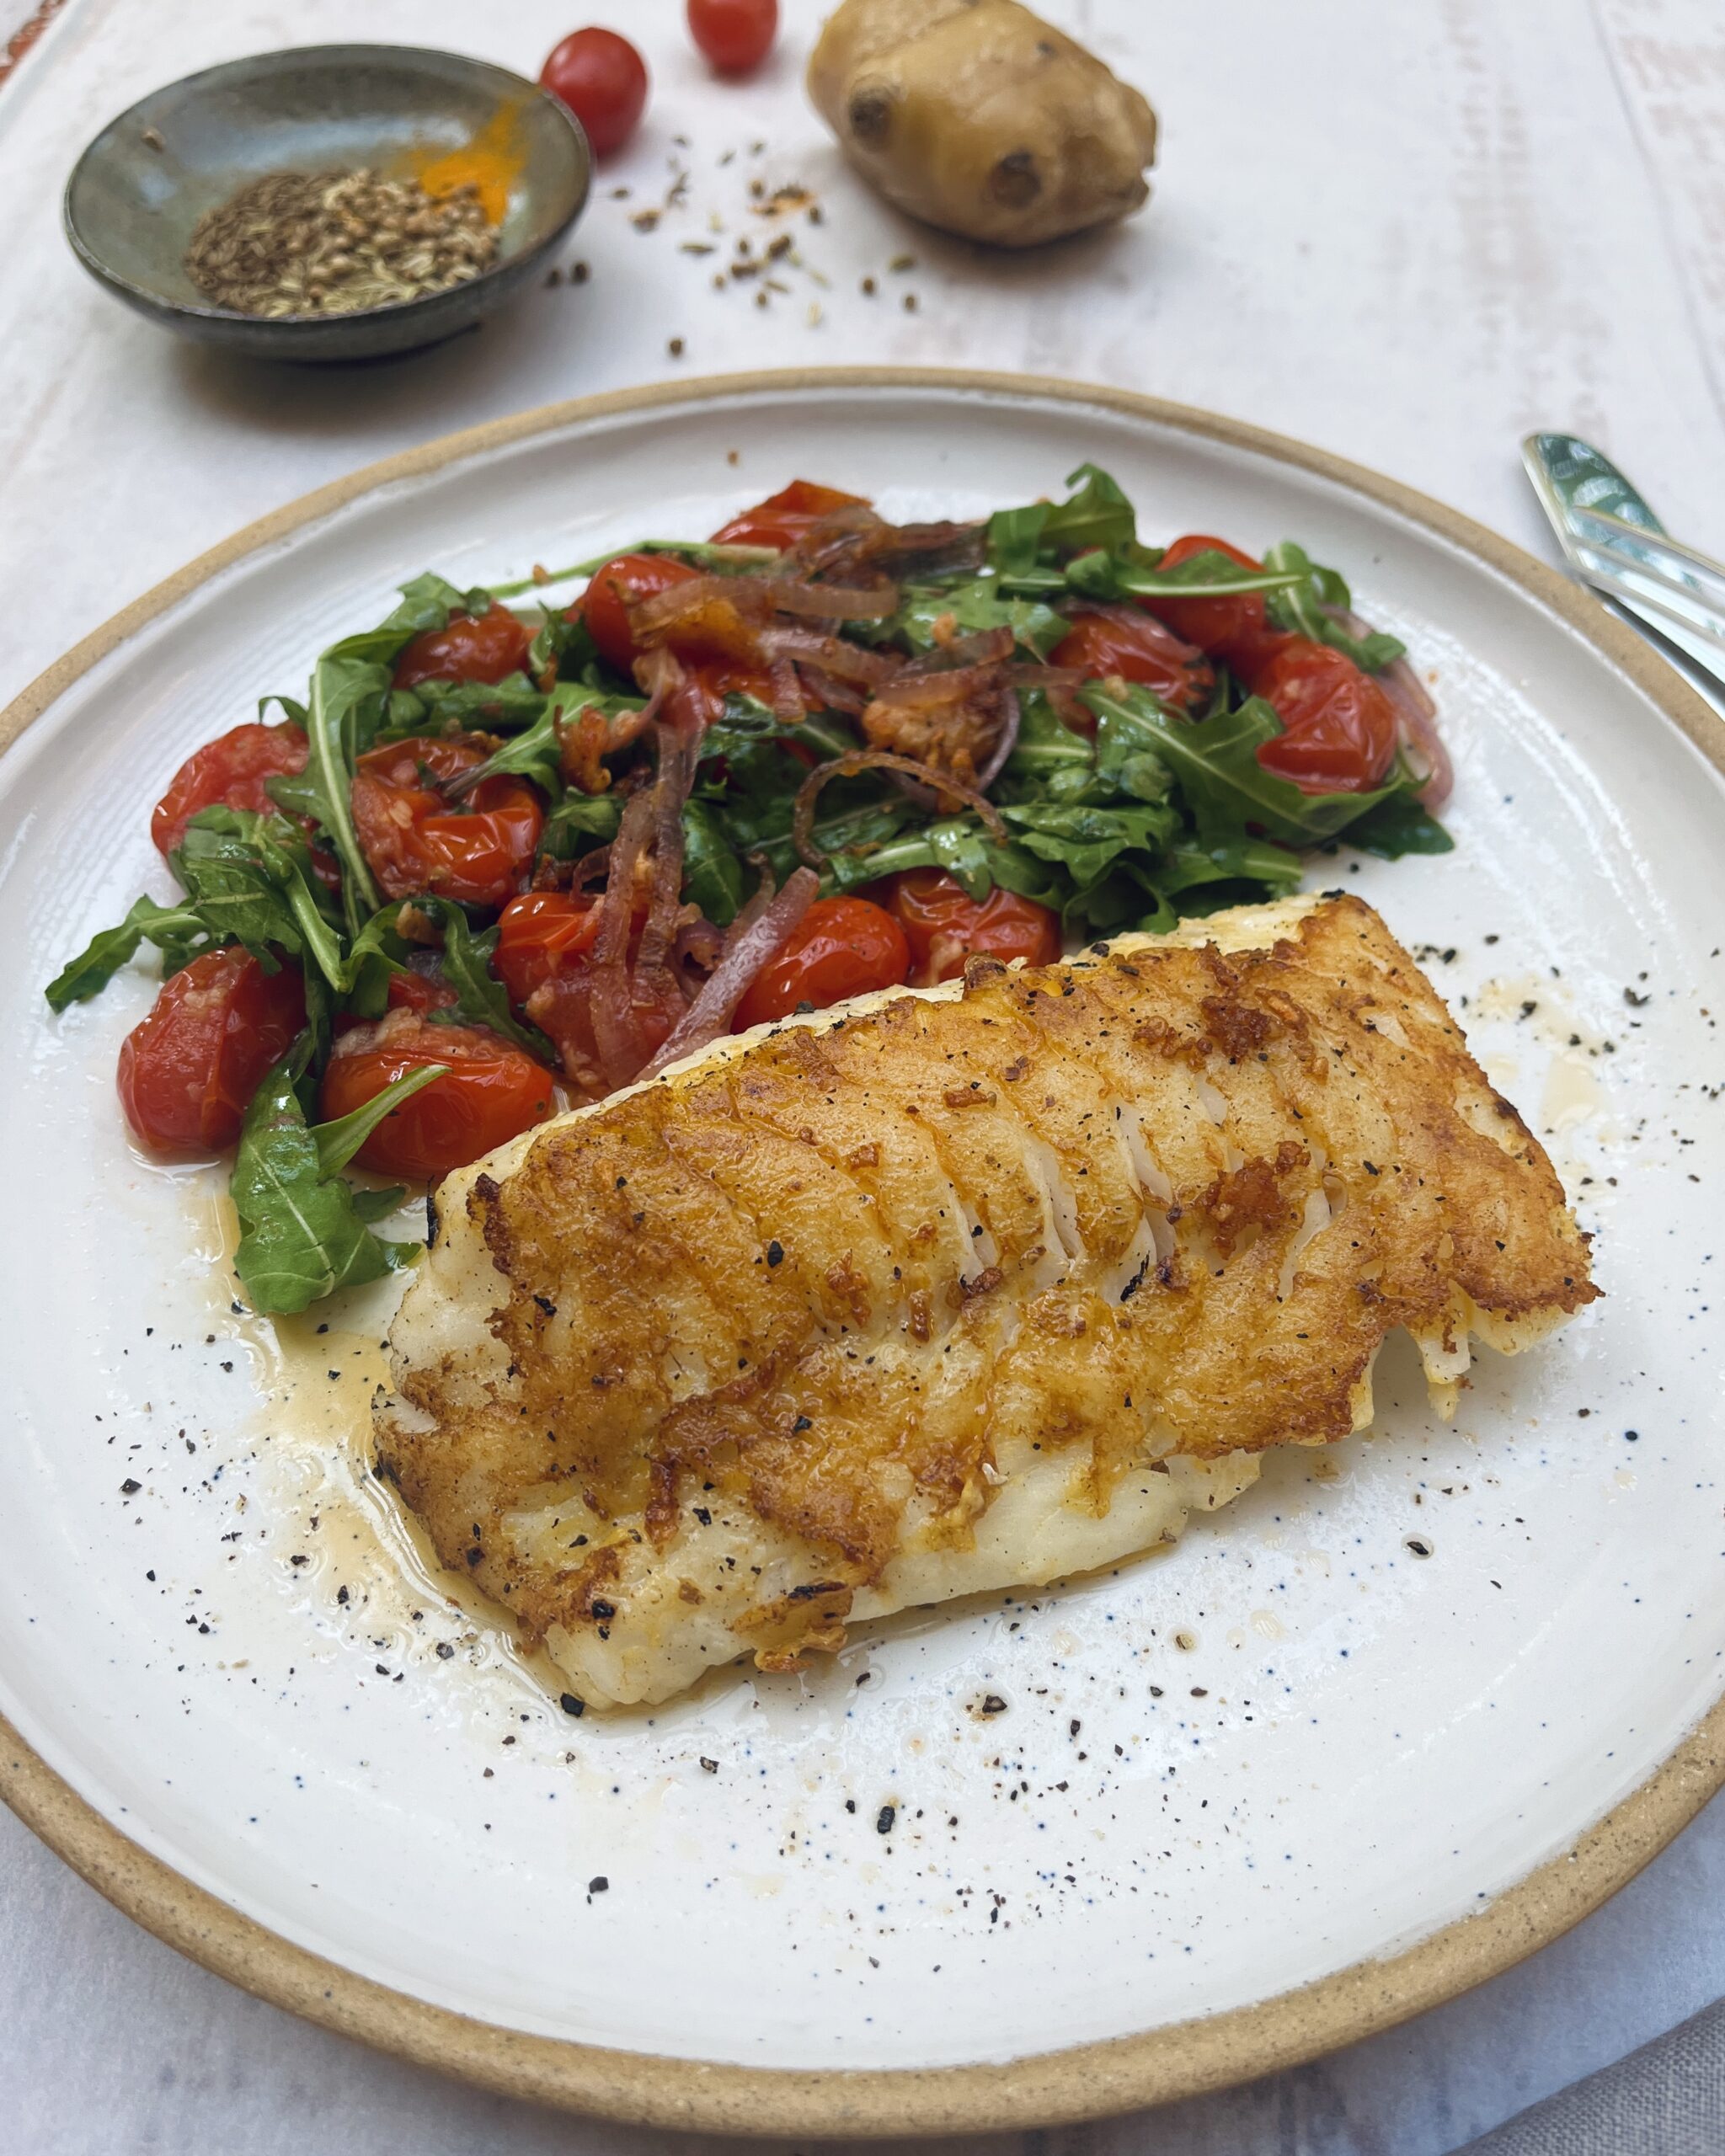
(1292, 1747)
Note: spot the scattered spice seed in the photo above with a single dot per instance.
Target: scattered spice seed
(675, 348)
(910, 302)
(884, 1819)
(869, 287)
(579, 274)
(902, 262)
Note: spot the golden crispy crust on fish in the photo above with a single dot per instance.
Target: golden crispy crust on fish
(840, 1282)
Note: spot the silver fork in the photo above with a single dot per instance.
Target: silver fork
(1614, 543)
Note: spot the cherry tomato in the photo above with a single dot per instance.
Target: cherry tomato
(1342, 730)
(421, 992)
(541, 934)
(1139, 648)
(603, 80)
(623, 582)
(840, 948)
(415, 841)
(493, 1091)
(473, 648)
(784, 517)
(943, 927)
(1236, 629)
(227, 772)
(734, 35)
(188, 1073)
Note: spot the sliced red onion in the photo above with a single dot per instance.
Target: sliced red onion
(829, 695)
(833, 602)
(610, 997)
(1417, 717)
(754, 941)
(845, 661)
(788, 702)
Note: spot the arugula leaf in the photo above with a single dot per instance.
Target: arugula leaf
(579, 823)
(174, 929)
(1215, 762)
(1014, 536)
(1300, 607)
(378, 952)
(481, 999)
(708, 553)
(1398, 826)
(350, 700)
(713, 875)
(1047, 748)
(246, 875)
(303, 1233)
(497, 705)
(973, 606)
(1243, 861)
(1087, 841)
(537, 754)
(1099, 514)
(1208, 574)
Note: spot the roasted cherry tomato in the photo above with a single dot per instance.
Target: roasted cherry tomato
(473, 648)
(943, 927)
(734, 35)
(188, 1073)
(1236, 629)
(1341, 727)
(422, 992)
(1133, 645)
(840, 948)
(603, 80)
(623, 582)
(227, 772)
(415, 841)
(541, 934)
(493, 1092)
(784, 517)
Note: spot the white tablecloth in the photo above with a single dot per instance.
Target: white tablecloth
(1409, 233)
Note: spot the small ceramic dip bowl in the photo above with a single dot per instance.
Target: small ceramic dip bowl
(141, 187)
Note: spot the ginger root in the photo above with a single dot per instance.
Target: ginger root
(978, 116)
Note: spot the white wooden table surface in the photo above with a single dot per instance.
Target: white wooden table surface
(1408, 233)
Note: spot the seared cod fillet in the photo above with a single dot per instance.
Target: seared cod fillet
(958, 1289)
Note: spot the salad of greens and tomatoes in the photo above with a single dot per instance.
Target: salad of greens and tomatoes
(492, 865)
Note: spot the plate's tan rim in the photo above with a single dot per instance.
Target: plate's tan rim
(1090, 2080)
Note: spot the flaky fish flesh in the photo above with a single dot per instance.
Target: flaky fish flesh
(965, 1287)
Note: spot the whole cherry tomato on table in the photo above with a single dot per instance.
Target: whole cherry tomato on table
(1341, 727)
(1137, 648)
(473, 648)
(840, 948)
(229, 772)
(1235, 628)
(603, 80)
(623, 582)
(783, 518)
(943, 927)
(188, 1073)
(477, 851)
(734, 35)
(492, 1092)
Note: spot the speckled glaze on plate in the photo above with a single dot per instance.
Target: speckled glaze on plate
(1397, 1717)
